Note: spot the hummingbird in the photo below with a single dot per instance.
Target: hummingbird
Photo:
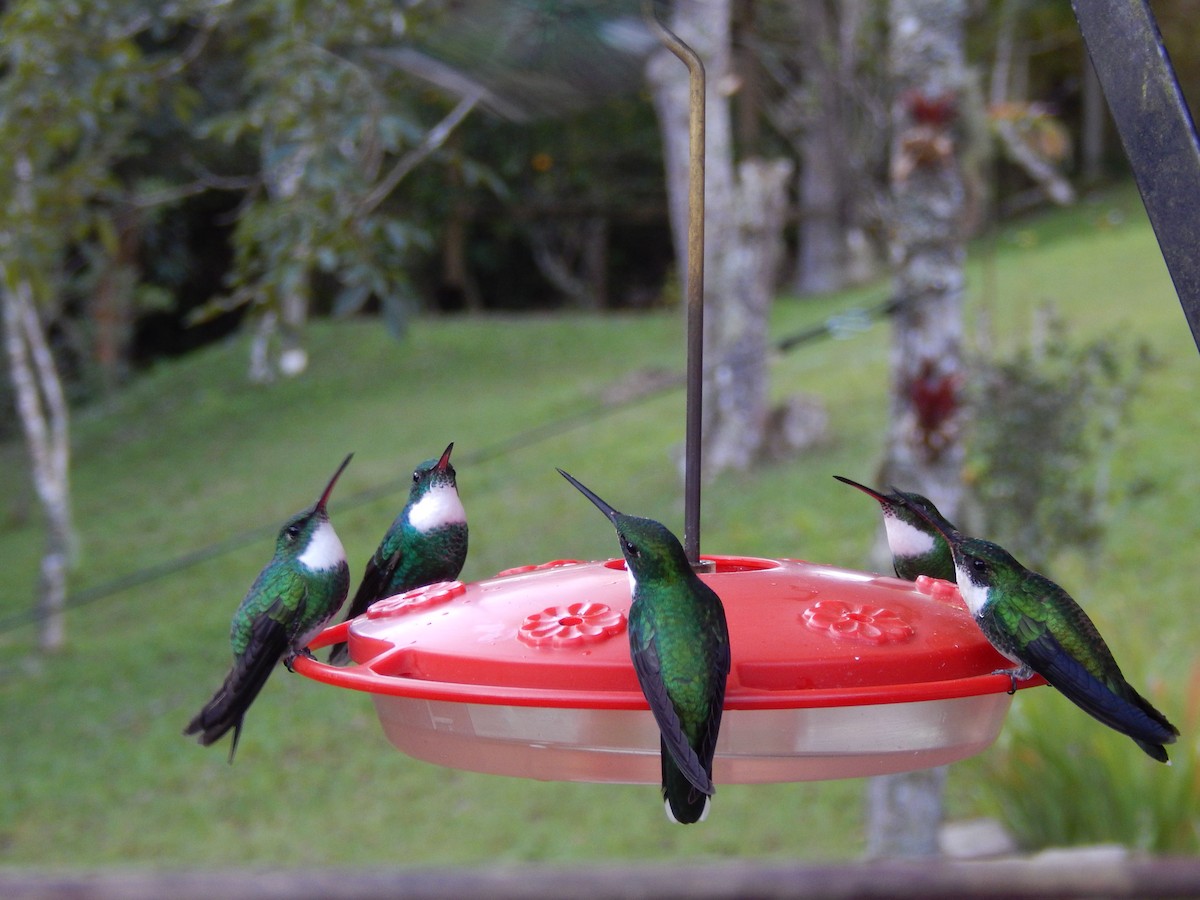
(679, 643)
(426, 542)
(915, 532)
(293, 598)
(1035, 623)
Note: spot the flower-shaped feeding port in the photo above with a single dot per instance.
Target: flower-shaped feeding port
(521, 675)
(945, 591)
(856, 621)
(553, 564)
(418, 598)
(571, 625)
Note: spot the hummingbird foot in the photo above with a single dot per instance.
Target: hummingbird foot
(1019, 673)
(291, 658)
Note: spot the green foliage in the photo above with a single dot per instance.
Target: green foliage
(325, 133)
(1064, 779)
(75, 84)
(1044, 426)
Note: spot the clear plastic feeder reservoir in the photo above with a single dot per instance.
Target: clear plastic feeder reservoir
(836, 674)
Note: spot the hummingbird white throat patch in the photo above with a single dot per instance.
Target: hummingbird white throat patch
(324, 550)
(438, 508)
(905, 539)
(974, 595)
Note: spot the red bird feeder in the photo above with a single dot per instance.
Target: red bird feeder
(836, 674)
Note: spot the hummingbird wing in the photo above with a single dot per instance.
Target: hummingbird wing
(1065, 648)
(648, 667)
(268, 638)
(376, 580)
(377, 577)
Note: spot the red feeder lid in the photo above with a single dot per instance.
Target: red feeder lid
(835, 673)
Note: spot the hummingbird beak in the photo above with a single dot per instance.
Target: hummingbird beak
(600, 504)
(444, 462)
(332, 481)
(952, 536)
(882, 498)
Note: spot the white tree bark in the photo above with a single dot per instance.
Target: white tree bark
(821, 257)
(924, 453)
(44, 415)
(744, 209)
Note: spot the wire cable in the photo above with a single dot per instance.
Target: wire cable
(846, 324)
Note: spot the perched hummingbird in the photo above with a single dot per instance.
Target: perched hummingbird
(918, 547)
(292, 599)
(1036, 624)
(427, 542)
(679, 643)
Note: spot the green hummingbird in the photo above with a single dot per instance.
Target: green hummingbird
(679, 643)
(1039, 626)
(918, 547)
(426, 542)
(295, 596)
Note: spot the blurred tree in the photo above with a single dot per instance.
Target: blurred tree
(74, 84)
(571, 146)
(337, 129)
(744, 212)
(828, 99)
(924, 451)
(1028, 133)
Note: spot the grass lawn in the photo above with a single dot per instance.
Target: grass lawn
(95, 770)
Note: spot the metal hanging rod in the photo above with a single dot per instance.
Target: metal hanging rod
(695, 281)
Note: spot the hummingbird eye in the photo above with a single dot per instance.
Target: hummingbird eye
(293, 532)
(632, 549)
(416, 476)
(979, 566)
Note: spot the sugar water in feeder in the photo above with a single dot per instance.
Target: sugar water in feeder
(835, 674)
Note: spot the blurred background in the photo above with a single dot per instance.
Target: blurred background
(238, 241)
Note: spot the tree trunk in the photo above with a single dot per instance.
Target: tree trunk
(457, 282)
(572, 254)
(1010, 79)
(924, 453)
(112, 301)
(43, 410)
(744, 211)
(294, 301)
(820, 261)
(737, 383)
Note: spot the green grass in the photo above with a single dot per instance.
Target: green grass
(93, 764)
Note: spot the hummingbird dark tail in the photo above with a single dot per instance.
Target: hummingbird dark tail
(1167, 733)
(685, 804)
(228, 706)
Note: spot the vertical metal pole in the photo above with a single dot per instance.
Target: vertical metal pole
(1156, 130)
(695, 282)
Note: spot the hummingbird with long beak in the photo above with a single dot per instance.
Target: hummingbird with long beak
(679, 643)
(293, 598)
(1035, 623)
(426, 542)
(915, 531)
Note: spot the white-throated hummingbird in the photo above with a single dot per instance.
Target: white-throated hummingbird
(914, 533)
(1039, 626)
(679, 643)
(426, 542)
(295, 596)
